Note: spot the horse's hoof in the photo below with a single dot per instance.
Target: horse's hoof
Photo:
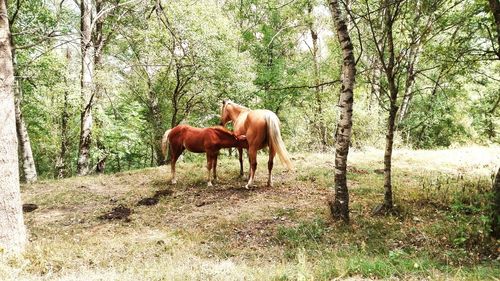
(210, 184)
(174, 181)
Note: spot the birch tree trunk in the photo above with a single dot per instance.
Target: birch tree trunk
(393, 109)
(339, 205)
(12, 229)
(87, 94)
(25, 152)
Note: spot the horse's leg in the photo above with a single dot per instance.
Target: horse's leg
(175, 155)
(272, 153)
(215, 165)
(252, 157)
(240, 153)
(176, 152)
(209, 167)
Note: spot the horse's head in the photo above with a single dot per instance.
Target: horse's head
(225, 112)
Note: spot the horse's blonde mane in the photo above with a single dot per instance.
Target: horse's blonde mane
(227, 101)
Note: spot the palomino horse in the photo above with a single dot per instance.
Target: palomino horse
(199, 140)
(262, 128)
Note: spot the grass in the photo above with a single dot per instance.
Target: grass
(282, 233)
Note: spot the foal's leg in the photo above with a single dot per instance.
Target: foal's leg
(240, 154)
(215, 165)
(175, 156)
(175, 152)
(252, 156)
(209, 167)
(272, 153)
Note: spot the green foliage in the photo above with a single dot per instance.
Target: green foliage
(174, 64)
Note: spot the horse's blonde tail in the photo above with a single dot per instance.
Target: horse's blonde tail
(275, 141)
(164, 144)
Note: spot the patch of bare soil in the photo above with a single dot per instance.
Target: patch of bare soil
(29, 207)
(117, 213)
(150, 201)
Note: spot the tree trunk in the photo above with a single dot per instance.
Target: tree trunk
(27, 160)
(25, 152)
(61, 164)
(393, 91)
(389, 70)
(87, 94)
(495, 220)
(339, 205)
(12, 230)
(99, 43)
(156, 122)
(318, 113)
(389, 141)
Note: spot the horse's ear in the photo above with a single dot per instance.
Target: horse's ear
(224, 102)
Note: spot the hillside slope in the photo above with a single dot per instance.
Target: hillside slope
(188, 231)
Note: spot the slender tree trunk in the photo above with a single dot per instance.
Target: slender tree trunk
(156, 122)
(391, 121)
(158, 132)
(61, 164)
(86, 87)
(27, 160)
(339, 205)
(389, 141)
(495, 220)
(318, 113)
(25, 152)
(12, 229)
(99, 43)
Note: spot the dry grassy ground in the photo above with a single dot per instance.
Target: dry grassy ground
(282, 233)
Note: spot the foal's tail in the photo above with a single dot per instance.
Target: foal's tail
(164, 144)
(274, 136)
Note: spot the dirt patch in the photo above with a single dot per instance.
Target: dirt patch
(162, 193)
(29, 207)
(149, 201)
(118, 213)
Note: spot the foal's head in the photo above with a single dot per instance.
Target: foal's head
(228, 136)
